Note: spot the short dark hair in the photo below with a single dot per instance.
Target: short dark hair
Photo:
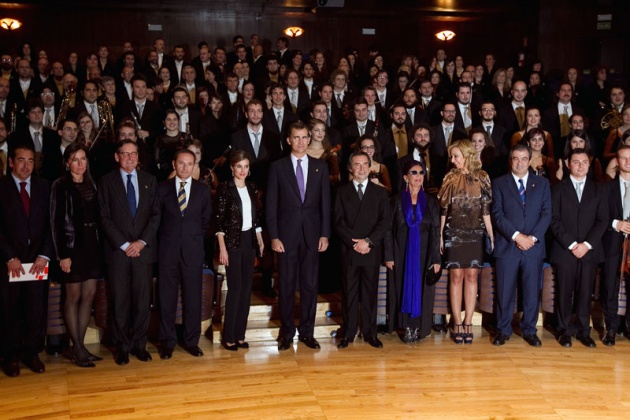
(578, 151)
(238, 155)
(298, 125)
(355, 154)
(124, 142)
(138, 76)
(183, 150)
(520, 147)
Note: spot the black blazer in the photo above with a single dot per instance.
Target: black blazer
(288, 219)
(578, 221)
(151, 116)
(181, 238)
(370, 217)
(52, 160)
(612, 240)
(270, 150)
(117, 223)
(67, 216)
(270, 123)
(230, 212)
(20, 237)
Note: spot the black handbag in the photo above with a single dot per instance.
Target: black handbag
(487, 243)
(431, 277)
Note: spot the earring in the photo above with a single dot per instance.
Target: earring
(67, 168)
(406, 185)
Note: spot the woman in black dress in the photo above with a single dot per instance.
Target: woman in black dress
(415, 248)
(74, 215)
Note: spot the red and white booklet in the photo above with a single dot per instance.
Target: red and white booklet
(43, 275)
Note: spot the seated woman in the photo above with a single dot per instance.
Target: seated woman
(532, 120)
(483, 145)
(87, 130)
(413, 250)
(539, 164)
(319, 148)
(579, 140)
(166, 144)
(613, 166)
(614, 137)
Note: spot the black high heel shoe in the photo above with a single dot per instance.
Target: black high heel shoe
(468, 334)
(458, 333)
(83, 363)
(94, 358)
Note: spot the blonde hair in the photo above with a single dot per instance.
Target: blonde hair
(471, 158)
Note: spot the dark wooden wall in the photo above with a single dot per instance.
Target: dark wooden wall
(561, 32)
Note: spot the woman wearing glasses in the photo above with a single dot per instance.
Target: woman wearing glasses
(413, 255)
(378, 172)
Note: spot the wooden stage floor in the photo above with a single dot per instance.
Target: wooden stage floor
(432, 379)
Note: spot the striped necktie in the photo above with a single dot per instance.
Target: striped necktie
(181, 198)
(521, 190)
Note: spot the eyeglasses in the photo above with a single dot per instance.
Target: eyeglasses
(45, 94)
(414, 172)
(128, 154)
(448, 111)
(371, 147)
(487, 109)
(382, 77)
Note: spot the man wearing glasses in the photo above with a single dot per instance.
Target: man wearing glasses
(130, 218)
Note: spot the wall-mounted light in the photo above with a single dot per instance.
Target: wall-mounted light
(294, 31)
(445, 35)
(10, 24)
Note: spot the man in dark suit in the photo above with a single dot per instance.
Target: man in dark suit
(24, 238)
(88, 104)
(189, 118)
(185, 210)
(429, 104)
(421, 137)
(414, 111)
(358, 127)
(443, 135)
(334, 116)
(362, 218)
(579, 219)
(343, 97)
(279, 117)
(319, 110)
(43, 140)
(555, 119)
(130, 216)
(148, 114)
(497, 132)
(512, 116)
(465, 117)
(521, 212)
(23, 89)
(617, 194)
(297, 98)
(386, 97)
(298, 220)
(176, 66)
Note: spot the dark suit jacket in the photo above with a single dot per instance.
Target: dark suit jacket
(270, 123)
(303, 102)
(370, 217)
(506, 117)
(551, 123)
(574, 221)
(612, 240)
(350, 133)
(270, 150)
(459, 119)
(181, 238)
(499, 133)
(117, 223)
(290, 220)
(52, 160)
(20, 237)
(230, 213)
(151, 116)
(432, 111)
(510, 215)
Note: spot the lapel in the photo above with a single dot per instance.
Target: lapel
(16, 195)
(143, 192)
(120, 191)
(235, 196)
(290, 173)
(571, 193)
(616, 193)
(313, 175)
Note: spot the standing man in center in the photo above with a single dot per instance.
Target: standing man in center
(185, 209)
(130, 218)
(363, 216)
(521, 212)
(298, 219)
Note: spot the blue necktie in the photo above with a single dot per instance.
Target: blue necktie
(131, 196)
(521, 190)
(299, 174)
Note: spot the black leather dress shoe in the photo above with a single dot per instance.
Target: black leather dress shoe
(166, 353)
(565, 340)
(532, 340)
(122, 358)
(34, 364)
(310, 342)
(194, 351)
(242, 345)
(270, 293)
(343, 343)
(143, 355)
(441, 328)
(285, 344)
(500, 339)
(586, 341)
(610, 338)
(230, 347)
(11, 369)
(374, 342)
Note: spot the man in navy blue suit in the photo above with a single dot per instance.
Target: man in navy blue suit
(298, 219)
(521, 210)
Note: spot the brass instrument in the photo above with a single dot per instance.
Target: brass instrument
(65, 106)
(611, 120)
(106, 115)
(13, 118)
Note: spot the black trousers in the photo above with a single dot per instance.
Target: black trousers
(170, 278)
(130, 281)
(609, 291)
(360, 286)
(23, 313)
(239, 273)
(574, 291)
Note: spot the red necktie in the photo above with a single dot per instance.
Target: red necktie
(26, 200)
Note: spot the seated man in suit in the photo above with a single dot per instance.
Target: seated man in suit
(298, 220)
(415, 112)
(465, 117)
(24, 238)
(521, 213)
(279, 118)
(130, 216)
(189, 118)
(185, 209)
(363, 217)
(420, 138)
(343, 96)
(429, 104)
(556, 119)
(487, 112)
(297, 99)
(579, 219)
(512, 116)
(147, 114)
(444, 134)
(385, 96)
